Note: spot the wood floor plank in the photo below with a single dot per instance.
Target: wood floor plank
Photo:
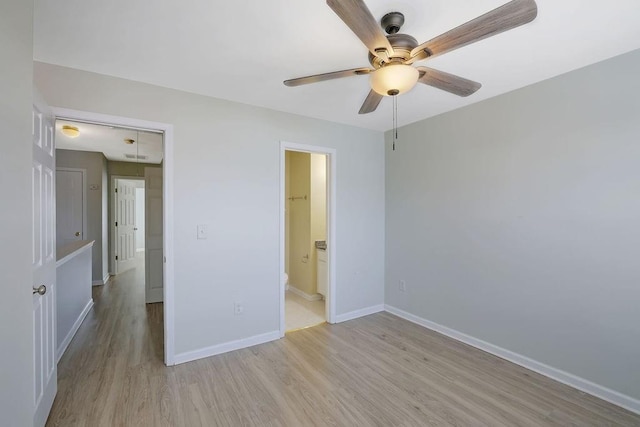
(378, 370)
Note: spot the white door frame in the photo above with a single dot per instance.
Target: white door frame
(84, 195)
(330, 306)
(112, 227)
(167, 194)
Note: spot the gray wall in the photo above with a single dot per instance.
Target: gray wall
(16, 324)
(517, 221)
(95, 164)
(226, 175)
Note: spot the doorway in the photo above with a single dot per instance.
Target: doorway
(307, 236)
(71, 205)
(127, 223)
(162, 203)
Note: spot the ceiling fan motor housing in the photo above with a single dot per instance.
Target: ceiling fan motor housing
(402, 45)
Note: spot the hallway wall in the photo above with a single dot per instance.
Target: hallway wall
(96, 166)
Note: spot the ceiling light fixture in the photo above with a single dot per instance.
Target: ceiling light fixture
(70, 131)
(393, 79)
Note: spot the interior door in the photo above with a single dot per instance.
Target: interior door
(43, 262)
(70, 195)
(154, 260)
(125, 225)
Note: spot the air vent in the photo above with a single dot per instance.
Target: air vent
(133, 156)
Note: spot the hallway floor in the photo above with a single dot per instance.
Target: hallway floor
(300, 313)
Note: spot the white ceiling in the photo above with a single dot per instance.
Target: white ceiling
(110, 141)
(242, 50)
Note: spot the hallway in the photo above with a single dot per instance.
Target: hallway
(110, 357)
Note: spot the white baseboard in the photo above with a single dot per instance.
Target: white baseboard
(359, 313)
(76, 325)
(303, 294)
(574, 381)
(104, 280)
(226, 347)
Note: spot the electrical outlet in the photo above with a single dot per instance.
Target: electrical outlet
(238, 308)
(402, 286)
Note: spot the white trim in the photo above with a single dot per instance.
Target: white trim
(167, 164)
(359, 313)
(303, 294)
(331, 297)
(72, 250)
(574, 381)
(226, 347)
(76, 325)
(85, 196)
(167, 245)
(102, 281)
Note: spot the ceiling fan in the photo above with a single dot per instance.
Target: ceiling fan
(392, 56)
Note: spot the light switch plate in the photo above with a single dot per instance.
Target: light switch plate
(202, 231)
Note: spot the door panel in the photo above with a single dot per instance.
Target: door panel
(154, 262)
(125, 225)
(44, 263)
(70, 196)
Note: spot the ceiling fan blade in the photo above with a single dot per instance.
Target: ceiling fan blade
(359, 19)
(371, 103)
(448, 82)
(503, 18)
(326, 76)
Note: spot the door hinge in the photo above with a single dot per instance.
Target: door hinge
(116, 257)
(116, 190)
(116, 223)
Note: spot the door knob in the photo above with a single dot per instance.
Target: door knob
(77, 234)
(41, 290)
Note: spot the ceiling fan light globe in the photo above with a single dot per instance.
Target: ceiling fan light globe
(70, 131)
(394, 79)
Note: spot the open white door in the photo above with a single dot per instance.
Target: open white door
(154, 260)
(70, 205)
(44, 262)
(125, 193)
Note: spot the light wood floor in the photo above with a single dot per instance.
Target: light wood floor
(375, 371)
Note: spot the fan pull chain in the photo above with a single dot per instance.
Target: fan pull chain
(395, 121)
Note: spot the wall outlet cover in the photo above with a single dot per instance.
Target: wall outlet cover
(238, 308)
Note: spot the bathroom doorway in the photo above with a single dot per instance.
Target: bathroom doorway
(306, 237)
